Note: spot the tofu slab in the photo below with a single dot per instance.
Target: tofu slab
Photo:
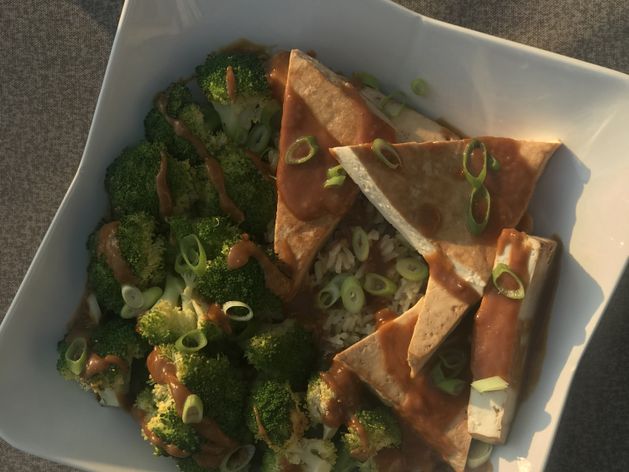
(502, 329)
(426, 199)
(379, 360)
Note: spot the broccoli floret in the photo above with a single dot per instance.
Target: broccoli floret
(312, 454)
(131, 181)
(251, 99)
(118, 337)
(169, 428)
(271, 461)
(344, 461)
(284, 351)
(319, 399)
(190, 465)
(369, 431)
(145, 401)
(213, 232)
(274, 415)
(104, 284)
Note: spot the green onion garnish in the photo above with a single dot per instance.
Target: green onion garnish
(93, 308)
(259, 138)
(328, 296)
(453, 359)
(475, 180)
(76, 355)
(180, 265)
(132, 296)
(477, 227)
(309, 141)
(192, 341)
(238, 459)
(192, 410)
(452, 386)
(490, 384)
(360, 243)
(478, 454)
(378, 285)
(419, 87)
(515, 294)
(193, 254)
(379, 146)
(352, 294)
(367, 79)
(493, 163)
(230, 307)
(411, 268)
(149, 298)
(335, 177)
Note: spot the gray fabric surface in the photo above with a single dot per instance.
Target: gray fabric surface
(52, 60)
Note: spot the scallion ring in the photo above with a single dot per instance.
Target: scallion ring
(367, 79)
(360, 243)
(149, 298)
(412, 269)
(76, 355)
(192, 341)
(419, 87)
(451, 386)
(238, 459)
(310, 142)
(335, 181)
(479, 453)
(379, 147)
(132, 296)
(328, 296)
(259, 137)
(180, 265)
(494, 164)
(477, 227)
(475, 181)
(352, 294)
(233, 306)
(192, 410)
(490, 384)
(193, 254)
(378, 285)
(514, 294)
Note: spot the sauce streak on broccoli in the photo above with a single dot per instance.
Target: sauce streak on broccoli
(161, 187)
(230, 80)
(109, 248)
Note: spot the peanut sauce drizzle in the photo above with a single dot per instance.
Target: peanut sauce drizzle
(262, 166)
(161, 186)
(230, 81)
(96, 364)
(276, 281)
(217, 316)
(363, 452)
(348, 393)
(214, 170)
(109, 248)
(383, 316)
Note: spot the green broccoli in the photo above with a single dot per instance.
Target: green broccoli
(369, 431)
(248, 101)
(274, 415)
(283, 351)
(190, 465)
(131, 181)
(344, 461)
(319, 399)
(307, 454)
(105, 286)
(212, 231)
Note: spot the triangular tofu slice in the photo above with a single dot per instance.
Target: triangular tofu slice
(317, 102)
(379, 360)
(426, 198)
(502, 330)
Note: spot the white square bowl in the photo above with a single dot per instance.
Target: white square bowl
(482, 84)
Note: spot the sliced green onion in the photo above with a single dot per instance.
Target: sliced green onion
(259, 137)
(478, 454)
(379, 146)
(228, 309)
(490, 384)
(515, 294)
(180, 265)
(335, 181)
(132, 296)
(360, 243)
(338, 279)
(238, 459)
(193, 254)
(452, 386)
(475, 180)
(477, 227)
(453, 359)
(367, 79)
(379, 285)
(313, 148)
(127, 312)
(493, 163)
(328, 296)
(390, 106)
(151, 295)
(192, 341)
(192, 410)
(411, 268)
(76, 355)
(93, 308)
(352, 294)
(419, 87)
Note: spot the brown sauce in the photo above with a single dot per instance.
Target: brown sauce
(391, 460)
(348, 394)
(276, 281)
(429, 220)
(214, 170)
(383, 316)
(301, 186)
(276, 73)
(169, 449)
(164, 372)
(109, 248)
(217, 316)
(286, 466)
(97, 365)
(262, 166)
(496, 326)
(80, 324)
(230, 80)
(161, 186)
(363, 452)
(442, 271)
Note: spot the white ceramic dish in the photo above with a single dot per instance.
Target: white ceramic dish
(482, 84)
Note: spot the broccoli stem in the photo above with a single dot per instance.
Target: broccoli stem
(172, 290)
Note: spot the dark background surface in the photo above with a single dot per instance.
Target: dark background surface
(53, 56)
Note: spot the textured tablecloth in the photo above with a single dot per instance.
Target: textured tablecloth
(53, 55)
